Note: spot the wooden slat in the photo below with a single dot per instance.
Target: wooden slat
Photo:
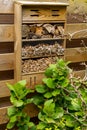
(6, 61)
(6, 75)
(76, 58)
(6, 47)
(74, 28)
(33, 79)
(3, 115)
(76, 66)
(43, 3)
(4, 91)
(18, 36)
(6, 18)
(6, 33)
(6, 6)
(75, 43)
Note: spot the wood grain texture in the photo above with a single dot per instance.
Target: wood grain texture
(76, 30)
(18, 36)
(6, 33)
(3, 115)
(6, 64)
(75, 43)
(4, 91)
(33, 79)
(6, 6)
(6, 47)
(76, 54)
(44, 13)
(6, 18)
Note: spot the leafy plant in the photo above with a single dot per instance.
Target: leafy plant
(62, 99)
(16, 114)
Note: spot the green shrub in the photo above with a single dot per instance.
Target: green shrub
(62, 99)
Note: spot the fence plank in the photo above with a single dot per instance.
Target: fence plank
(6, 6)
(6, 33)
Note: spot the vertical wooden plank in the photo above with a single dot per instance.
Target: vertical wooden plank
(17, 49)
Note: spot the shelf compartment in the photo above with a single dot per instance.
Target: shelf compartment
(37, 65)
(42, 49)
(43, 31)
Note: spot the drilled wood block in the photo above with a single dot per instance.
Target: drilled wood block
(44, 13)
(33, 79)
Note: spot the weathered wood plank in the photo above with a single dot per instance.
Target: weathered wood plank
(76, 30)
(6, 64)
(4, 91)
(75, 43)
(76, 58)
(6, 75)
(6, 47)
(6, 18)
(6, 33)
(76, 66)
(6, 6)
(3, 115)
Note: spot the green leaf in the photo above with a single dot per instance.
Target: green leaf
(70, 122)
(42, 116)
(13, 119)
(49, 82)
(22, 83)
(76, 104)
(48, 95)
(17, 103)
(11, 87)
(56, 92)
(33, 128)
(48, 72)
(28, 101)
(10, 125)
(41, 126)
(59, 112)
(38, 99)
(11, 111)
(30, 124)
(49, 120)
(41, 88)
(65, 83)
(49, 107)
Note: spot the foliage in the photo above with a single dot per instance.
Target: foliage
(62, 99)
(16, 114)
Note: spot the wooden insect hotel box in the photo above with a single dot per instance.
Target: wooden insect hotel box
(39, 38)
(33, 39)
